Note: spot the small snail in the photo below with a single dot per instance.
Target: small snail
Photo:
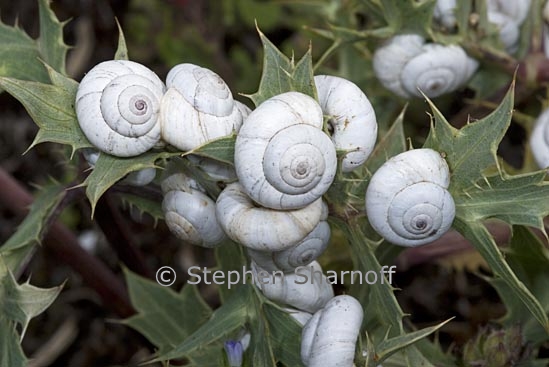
(262, 228)
(189, 213)
(407, 201)
(118, 106)
(406, 64)
(444, 13)
(509, 29)
(329, 337)
(352, 118)
(307, 292)
(197, 108)
(539, 140)
(515, 9)
(282, 157)
(301, 254)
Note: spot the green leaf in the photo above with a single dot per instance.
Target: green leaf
(30, 231)
(160, 318)
(51, 106)
(409, 16)
(11, 353)
(225, 320)
(122, 50)
(110, 169)
(280, 74)
(285, 334)
(20, 303)
(472, 149)
(390, 346)
(144, 205)
(230, 257)
(51, 46)
(221, 150)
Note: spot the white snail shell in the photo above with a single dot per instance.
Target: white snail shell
(515, 9)
(539, 140)
(352, 118)
(329, 337)
(197, 108)
(189, 213)
(117, 106)
(444, 13)
(301, 254)
(407, 201)
(282, 157)
(262, 228)
(405, 65)
(310, 296)
(509, 29)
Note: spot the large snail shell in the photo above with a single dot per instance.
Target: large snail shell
(294, 290)
(197, 108)
(405, 65)
(329, 337)
(301, 254)
(282, 157)
(189, 213)
(539, 140)
(261, 228)
(407, 201)
(352, 118)
(117, 106)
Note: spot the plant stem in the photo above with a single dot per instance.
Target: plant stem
(64, 244)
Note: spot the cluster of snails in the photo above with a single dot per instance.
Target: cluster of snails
(284, 162)
(408, 66)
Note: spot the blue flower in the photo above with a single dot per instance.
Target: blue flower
(234, 352)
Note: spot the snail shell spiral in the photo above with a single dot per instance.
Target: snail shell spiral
(118, 106)
(282, 157)
(189, 213)
(352, 118)
(329, 337)
(407, 201)
(197, 108)
(405, 65)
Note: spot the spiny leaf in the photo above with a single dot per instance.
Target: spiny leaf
(409, 16)
(122, 50)
(20, 303)
(225, 320)
(164, 317)
(221, 150)
(51, 106)
(51, 46)
(29, 232)
(144, 205)
(472, 149)
(110, 169)
(281, 75)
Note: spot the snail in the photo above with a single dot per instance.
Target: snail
(515, 9)
(307, 290)
(282, 157)
(301, 254)
(329, 337)
(508, 28)
(262, 228)
(198, 107)
(539, 140)
(189, 213)
(407, 199)
(141, 177)
(118, 107)
(444, 13)
(352, 118)
(407, 65)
